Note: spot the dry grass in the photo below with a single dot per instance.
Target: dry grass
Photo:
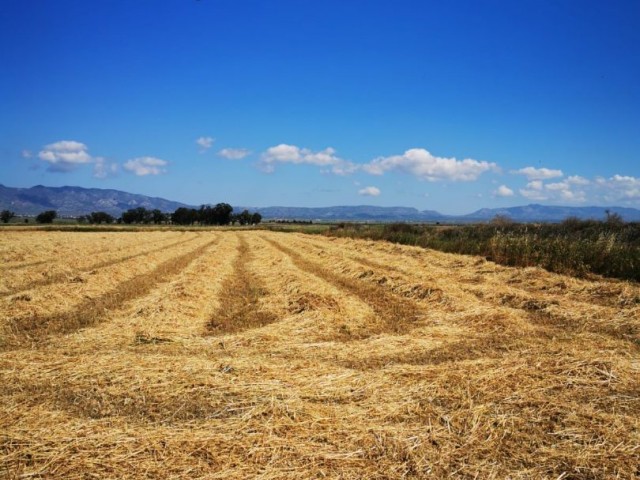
(240, 307)
(332, 358)
(76, 274)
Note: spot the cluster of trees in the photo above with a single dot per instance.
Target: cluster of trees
(142, 215)
(220, 214)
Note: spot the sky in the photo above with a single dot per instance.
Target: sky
(450, 106)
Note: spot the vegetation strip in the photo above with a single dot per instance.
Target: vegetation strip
(240, 299)
(93, 310)
(397, 315)
(574, 247)
(60, 277)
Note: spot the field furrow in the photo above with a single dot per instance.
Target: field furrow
(78, 270)
(266, 355)
(26, 329)
(240, 307)
(542, 298)
(394, 314)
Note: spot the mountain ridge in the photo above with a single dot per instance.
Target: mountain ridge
(74, 201)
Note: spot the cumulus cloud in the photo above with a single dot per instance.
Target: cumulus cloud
(578, 180)
(620, 188)
(103, 168)
(143, 166)
(568, 190)
(534, 191)
(26, 154)
(565, 191)
(284, 153)
(65, 155)
(369, 191)
(205, 143)
(234, 153)
(503, 191)
(533, 173)
(422, 164)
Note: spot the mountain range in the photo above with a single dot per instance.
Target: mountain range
(74, 201)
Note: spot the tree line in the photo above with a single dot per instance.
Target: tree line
(219, 214)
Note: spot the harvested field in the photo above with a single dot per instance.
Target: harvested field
(242, 354)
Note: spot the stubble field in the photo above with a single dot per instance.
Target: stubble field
(244, 354)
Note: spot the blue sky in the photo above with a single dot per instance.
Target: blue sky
(451, 106)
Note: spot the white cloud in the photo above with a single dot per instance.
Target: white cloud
(142, 166)
(369, 191)
(577, 180)
(26, 154)
(567, 190)
(103, 168)
(422, 164)
(234, 153)
(620, 188)
(533, 173)
(284, 153)
(205, 143)
(65, 155)
(503, 191)
(563, 191)
(534, 191)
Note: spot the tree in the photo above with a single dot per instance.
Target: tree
(220, 214)
(6, 215)
(47, 216)
(243, 218)
(184, 216)
(223, 213)
(137, 215)
(158, 217)
(100, 217)
(256, 218)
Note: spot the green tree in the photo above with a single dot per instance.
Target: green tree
(100, 217)
(244, 218)
(137, 215)
(46, 216)
(184, 216)
(6, 215)
(158, 217)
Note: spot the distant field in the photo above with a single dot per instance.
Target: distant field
(253, 353)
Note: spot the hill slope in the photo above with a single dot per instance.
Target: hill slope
(72, 201)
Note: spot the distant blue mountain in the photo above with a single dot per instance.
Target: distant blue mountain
(358, 213)
(74, 201)
(545, 213)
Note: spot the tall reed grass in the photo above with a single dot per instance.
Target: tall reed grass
(575, 247)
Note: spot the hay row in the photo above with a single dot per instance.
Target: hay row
(18, 250)
(394, 314)
(62, 297)
(540, 297)
(62, 260)
(58, 277)
(240, 299)
(32, 329)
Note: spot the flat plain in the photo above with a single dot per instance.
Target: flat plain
(255, 354)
